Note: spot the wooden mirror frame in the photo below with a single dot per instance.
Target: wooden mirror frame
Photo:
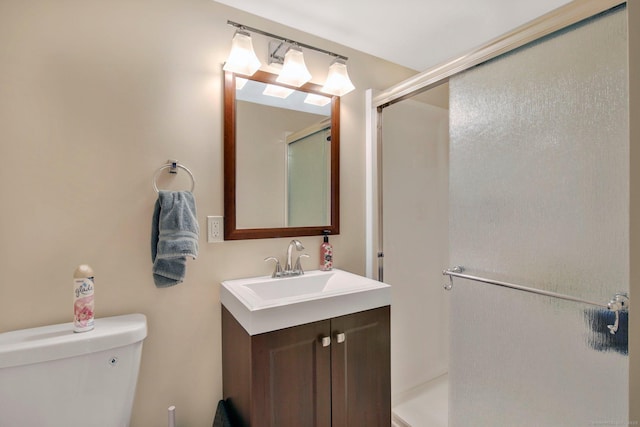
(231, 232)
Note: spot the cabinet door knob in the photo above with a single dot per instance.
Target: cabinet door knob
(341, 338)
(326, 341)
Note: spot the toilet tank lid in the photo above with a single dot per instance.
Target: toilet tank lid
(54, 342)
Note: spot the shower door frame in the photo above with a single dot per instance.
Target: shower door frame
(563, 17)
(549, 23)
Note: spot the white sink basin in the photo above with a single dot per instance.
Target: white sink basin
(263, 304)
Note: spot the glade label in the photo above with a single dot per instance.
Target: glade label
(84, 287)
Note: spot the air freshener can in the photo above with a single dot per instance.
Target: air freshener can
(83, 303)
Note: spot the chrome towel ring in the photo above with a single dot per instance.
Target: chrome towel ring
(173, 166)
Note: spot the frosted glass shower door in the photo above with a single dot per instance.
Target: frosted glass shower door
(309, 180)
(539, 196)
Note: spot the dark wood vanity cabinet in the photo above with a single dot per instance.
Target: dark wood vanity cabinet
(334, 372)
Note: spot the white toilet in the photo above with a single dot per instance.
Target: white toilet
(53, 377)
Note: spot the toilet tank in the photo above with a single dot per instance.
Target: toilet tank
(53, 377)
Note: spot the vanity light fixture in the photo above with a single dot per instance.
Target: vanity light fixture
(338, 82)
(242, 59)
(294, 71)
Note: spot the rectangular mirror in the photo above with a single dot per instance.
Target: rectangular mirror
(281, 158)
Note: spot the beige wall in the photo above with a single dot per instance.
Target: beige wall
(94, 97)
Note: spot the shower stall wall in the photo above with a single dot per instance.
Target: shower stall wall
(415, 185)
(539, 195)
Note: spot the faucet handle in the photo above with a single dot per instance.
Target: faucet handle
(278, 270)
(298, 268)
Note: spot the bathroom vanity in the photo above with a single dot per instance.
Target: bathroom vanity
(332, 371)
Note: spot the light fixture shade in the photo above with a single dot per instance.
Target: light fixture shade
(277, 91)
(242, 59)
(338, 82)
(318, 100)
(240, 83)
(294, 71)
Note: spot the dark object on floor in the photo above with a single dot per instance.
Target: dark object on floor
(222, 417)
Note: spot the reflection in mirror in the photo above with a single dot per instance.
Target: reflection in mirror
(281, 159)
(308, 175)
(282, 166)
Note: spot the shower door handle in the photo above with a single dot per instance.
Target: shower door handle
(620, 302)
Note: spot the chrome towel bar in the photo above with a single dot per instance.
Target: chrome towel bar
(619, 302)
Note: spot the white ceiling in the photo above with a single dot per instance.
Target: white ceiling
(415, 33)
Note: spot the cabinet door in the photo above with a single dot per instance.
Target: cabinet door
(361, 369)
(292, 377)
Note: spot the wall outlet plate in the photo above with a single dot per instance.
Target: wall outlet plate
(215, 229)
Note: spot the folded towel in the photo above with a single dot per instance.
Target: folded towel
(222, 417)
(174, 236)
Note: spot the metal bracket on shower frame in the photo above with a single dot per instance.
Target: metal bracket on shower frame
(619, 302)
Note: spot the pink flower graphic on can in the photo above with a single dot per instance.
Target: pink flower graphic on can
(83, 311)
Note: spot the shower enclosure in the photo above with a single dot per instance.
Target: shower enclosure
(539, 194)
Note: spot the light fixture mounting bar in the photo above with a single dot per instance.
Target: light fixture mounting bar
(285, 40)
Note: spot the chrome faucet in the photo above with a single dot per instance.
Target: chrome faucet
(289, 270)
(288, 267)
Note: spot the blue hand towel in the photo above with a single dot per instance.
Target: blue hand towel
(174, 236)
